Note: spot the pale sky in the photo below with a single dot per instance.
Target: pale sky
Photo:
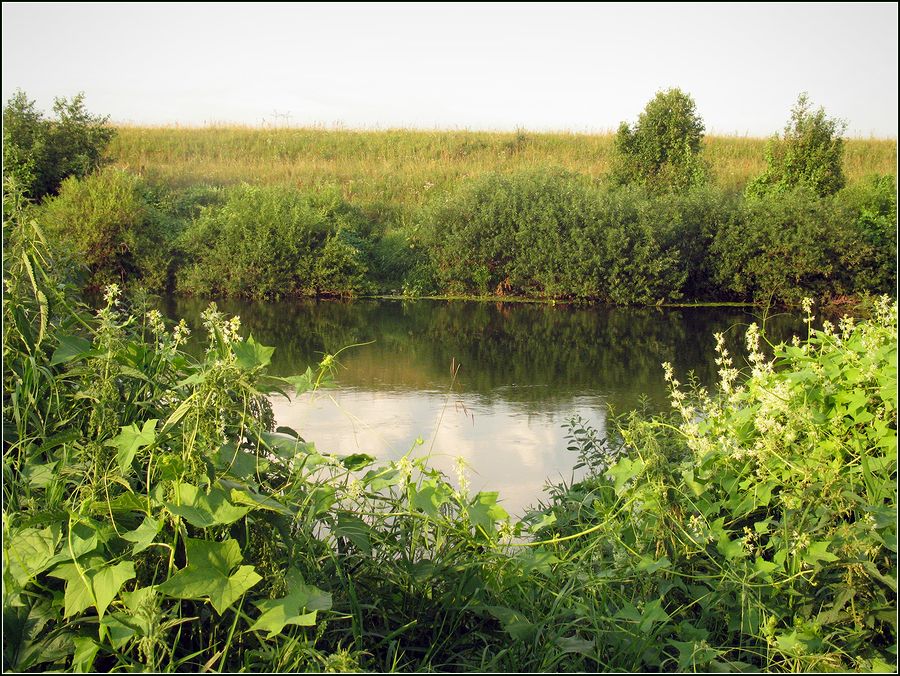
(578, 67)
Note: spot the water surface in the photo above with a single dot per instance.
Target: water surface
(523, 370)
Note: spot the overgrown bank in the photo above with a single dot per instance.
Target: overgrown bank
(153, 519)
(541, 234)
(659, 223)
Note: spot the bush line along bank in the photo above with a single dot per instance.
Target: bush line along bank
(658, 226)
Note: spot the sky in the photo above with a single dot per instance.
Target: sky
(577, 67)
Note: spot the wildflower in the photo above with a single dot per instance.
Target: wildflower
(354, 490)
(405, 467)
(180, 333)
(155, 322)
(462, 478)
(112, 293)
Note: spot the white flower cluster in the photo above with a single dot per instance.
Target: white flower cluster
(405, 467)
(158, 328)
(462, 477)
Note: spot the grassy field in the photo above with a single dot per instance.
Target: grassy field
(398, 168)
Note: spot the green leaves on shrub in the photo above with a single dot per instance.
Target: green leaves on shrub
(271, 242)
(39, 153)
(107, 221)
(808, 155)
(662, 150)
(552, 234)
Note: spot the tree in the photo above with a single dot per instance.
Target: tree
(809, 155)
(663, 149)
(39, 153)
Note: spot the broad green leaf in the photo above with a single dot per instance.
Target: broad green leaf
(204, 510)
(84, 537)
(653, 613)
(244, 495)
(143, 535)
(322, 499)
(376, 480)
(116, 629)
(70, 347)
(647, 565)
(130, 439)
(576, 644)
(357, 461)
(818, 551)
(544, 521)
(40, 475)
(730, 549)
(92, 583)
(299, 607)
(208, 574)
(251, 354)
(302, 383)
(537, 560)
(29, 552)
(354, 529)
(484, 512)
(624, 471)
(514, 623)
(430, 497)
(85, 651)
(238, 463)
(765, 568)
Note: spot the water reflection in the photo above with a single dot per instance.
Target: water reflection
(524, 369)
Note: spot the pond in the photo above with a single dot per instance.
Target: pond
(521, 370)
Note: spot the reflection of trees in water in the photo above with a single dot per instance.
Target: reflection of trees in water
(538, 356)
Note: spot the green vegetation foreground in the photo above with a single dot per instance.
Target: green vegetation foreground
(154, 520)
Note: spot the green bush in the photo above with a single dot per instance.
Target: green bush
(273, 241)
(868, 246)
(39, 153)
(108, 222)
(506, 234)
(553, 234)
(809, 154)
(662, 151)
(779, 247)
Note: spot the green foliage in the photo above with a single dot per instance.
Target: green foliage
(788, 244)
(110, 225)
(782, 246)
(753, 529)
(39, 153)
(154, 521)
(551, 234)
(868, 247)
(662, 150)
(809, 154)
(270, 242)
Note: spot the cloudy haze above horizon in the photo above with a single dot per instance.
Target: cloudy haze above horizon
(576, 67)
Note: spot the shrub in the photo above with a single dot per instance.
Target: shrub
(108, 222)
(553, 234)
(781, 246)
(662, 150)
(809, 154)
(510, 233)
(40, 153)
(868, 236)
(629, 245)
(274, 241)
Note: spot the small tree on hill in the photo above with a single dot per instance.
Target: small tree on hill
(39, 153)
(663, 149)
(810, 154)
